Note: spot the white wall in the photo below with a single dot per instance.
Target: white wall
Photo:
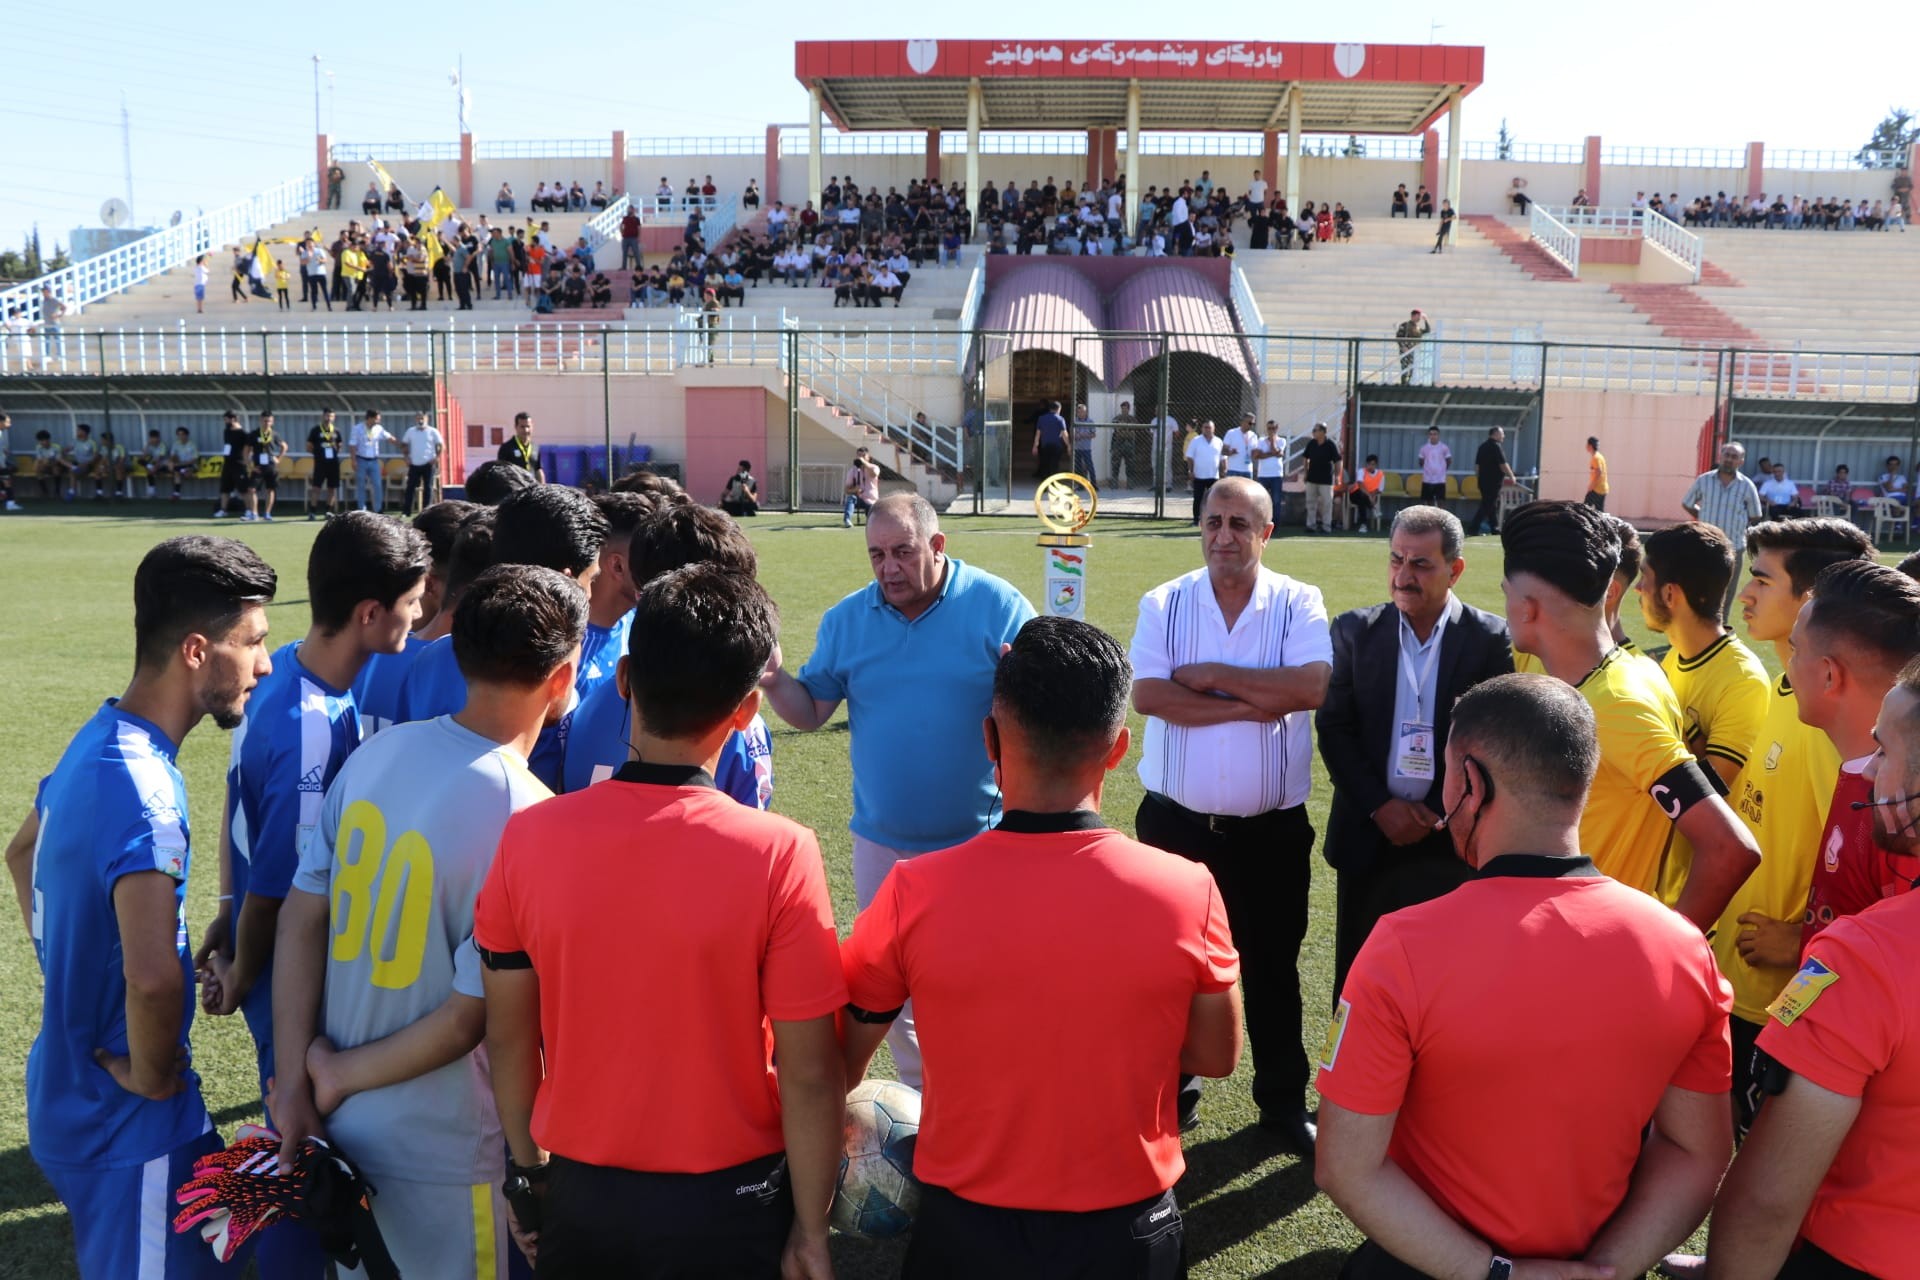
(1618, 183)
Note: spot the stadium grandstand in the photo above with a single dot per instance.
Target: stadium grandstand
(959, 232)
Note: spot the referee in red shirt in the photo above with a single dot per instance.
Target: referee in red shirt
(638, 938)
(1498, 1055)
(1051, 938)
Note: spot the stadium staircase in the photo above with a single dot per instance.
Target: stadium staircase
(1519, 247)
(897, 451)
(1368, 285)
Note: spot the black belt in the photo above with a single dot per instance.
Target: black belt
(1219, 824)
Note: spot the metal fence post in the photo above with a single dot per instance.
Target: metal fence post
(791, 339)
(606, 402)
(1163, 449)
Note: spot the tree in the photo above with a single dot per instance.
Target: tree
(1892, 140)
(1503, 145)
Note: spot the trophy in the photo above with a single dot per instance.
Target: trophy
(1065, 504)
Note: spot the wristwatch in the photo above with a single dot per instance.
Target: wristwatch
(530, 1174)
(1500, 1268)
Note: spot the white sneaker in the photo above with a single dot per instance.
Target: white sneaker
(220, 515)
(14, 506)
(247, 517)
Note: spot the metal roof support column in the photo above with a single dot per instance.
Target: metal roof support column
(1455, 146)
(813, 145)
(1293, 150)
(973, 143)
(1133, 158)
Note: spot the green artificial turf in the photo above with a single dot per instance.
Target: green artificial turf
(66, 637)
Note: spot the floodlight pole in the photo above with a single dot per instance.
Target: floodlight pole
(1293, 150)
(1133, 158)
(813, 145)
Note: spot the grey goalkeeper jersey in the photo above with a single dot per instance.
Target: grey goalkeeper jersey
(405, 839)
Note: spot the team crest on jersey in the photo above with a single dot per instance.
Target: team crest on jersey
(159, 807)
(1336, 1033)
(1801, 991)
(1773, 756)
(312, 780)
(170, 862)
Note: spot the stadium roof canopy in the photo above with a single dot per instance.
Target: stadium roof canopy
(1182, 85)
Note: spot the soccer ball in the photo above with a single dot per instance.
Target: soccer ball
(877, 1195)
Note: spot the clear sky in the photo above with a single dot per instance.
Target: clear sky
(222, 100)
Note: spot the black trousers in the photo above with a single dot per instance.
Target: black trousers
(957, 1239)
(1812, 1263)
(1598, 501)
(419, 484)
(1432, 495)
(1400, 878)
(724, 1225)
(1052, 459)
(1488, 512)
(1262, 865)
(1200, 488)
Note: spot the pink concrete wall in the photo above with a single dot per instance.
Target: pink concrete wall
(1609, 250)
(1756, 169)
(619, 182)
(466, 171)
(1651, 443)
(724, 425)
(1430, 161)
(1592, 176)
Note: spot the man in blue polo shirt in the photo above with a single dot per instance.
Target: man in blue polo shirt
(912, 654)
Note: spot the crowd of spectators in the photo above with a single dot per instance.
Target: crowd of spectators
(1778, 212)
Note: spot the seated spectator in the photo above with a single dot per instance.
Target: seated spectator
(886, 284)
(370, 203)
(1841, 486)
(741, 497)
(1423, 202)
(583, 253)
(600, 291)
(1398, 209)
(750, 198)
(1893, 482)
(1364, 493)
(503, 201)
(1580, 200)
(709, 194)
(576, 197)
(1342, 222)
(1518, 197)
(676, 288)
(396, 200)
(599, 198)
(1781, 495)
(732, 288)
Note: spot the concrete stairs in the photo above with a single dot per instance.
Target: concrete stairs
(1684, 315)
(1518, 246)
(937, 484)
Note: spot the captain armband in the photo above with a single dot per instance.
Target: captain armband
(1679, 789)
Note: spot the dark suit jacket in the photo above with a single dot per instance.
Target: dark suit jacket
(1355, 723)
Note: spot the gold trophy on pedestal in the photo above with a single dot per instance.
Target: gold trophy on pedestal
(1066, 504)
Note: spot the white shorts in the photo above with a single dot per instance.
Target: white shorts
(440, 1232)
(530, 280)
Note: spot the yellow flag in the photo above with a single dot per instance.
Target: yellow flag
(385, 179)
(431, 239)
(264, 256)
(442, 207)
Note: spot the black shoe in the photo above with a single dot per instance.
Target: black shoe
(1295, 1129)
(1190, 1112)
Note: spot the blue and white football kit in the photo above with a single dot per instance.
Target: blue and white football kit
(597, 745)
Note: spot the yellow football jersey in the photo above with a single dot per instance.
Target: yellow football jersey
(1781, 794)
(1723, 699)
(1624, 828)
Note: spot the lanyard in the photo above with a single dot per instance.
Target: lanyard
(526, 454)
(1419, 678)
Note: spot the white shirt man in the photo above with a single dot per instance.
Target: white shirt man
(1257, 190)
(423, 443)
(1270, 455)
(1229, 663)
(776, 220)
(1435, 458)
(1178, 217)
(1204, 452)
(1238, 448)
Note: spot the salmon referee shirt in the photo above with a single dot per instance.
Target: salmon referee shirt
(1049, 939)
(1525, 1027)
(667, 924)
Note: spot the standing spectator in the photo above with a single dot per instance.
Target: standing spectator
(1237, 447)
(324, 443)
(114, 1109)
(742, 495)
(268, 450)
(1204, 454)
(630, 239)
(1407, 1086)
(1492, 471)
(1127, 945)
(519, 451)
(921, 777)
(236, 463)
(1596, 475)
(369, 488)
(1446, 226)
(1229, 662)
(314, 269)
(1382, 744)
(1435, 459)
(1049, 441)
(424, 445)
(1084, 437)
(200, 285)
(1727, 500)
(1407, 337)
(861, 486)
(336, 178)
(1270, 462)
(713, 1151)
(1322, 458)
(1781, 495)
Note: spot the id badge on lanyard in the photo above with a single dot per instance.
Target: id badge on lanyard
(1414, 753)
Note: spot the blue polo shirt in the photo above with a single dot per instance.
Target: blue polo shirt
(916, 693)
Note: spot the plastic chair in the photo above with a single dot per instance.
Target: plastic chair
(1826, 504)
(1410, 485)
(1467, 487)
(1890, 513)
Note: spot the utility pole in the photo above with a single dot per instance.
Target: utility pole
(126, 153)
(316, 95)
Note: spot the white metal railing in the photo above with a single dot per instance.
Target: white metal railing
(661, 210)
(604, 226)
(1865, 158)
(1246, 306)
(1675, 241)
(1676, 157)
(743, 145)
(970, 310)
(1619, 221)
(119, 269)
(1556, 238)
(871, 397)
(344, 153)
(1525, 152)
(542, 148)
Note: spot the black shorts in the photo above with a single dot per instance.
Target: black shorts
(326, 473)
(731, 1224)
(268, 478)
(957, 1239)
(234, 476)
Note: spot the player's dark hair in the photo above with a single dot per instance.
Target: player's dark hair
(1869, 608)
(1567, 545)
(686, 533)
(645, 481)
(1630, 550)
(440, 524)
(1809, 545)
(491, 482)
(625, 512)
(1695, 557)
(702, 636)
(551, 526)
(1911, 565)
(1066, 684)
(516, 623)
(361, 556)
(472, 553)
(194, 584)
(1534, 736)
